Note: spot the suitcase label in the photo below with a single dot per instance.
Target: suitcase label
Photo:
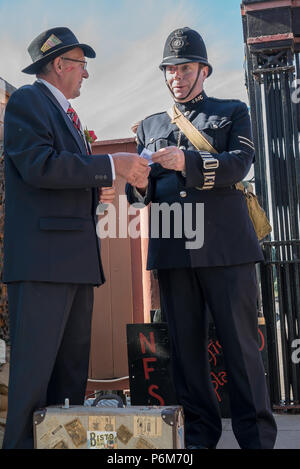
(147, 426)
(102, 423)
(101, 440)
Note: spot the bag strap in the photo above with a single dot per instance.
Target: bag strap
(201, 143)
(193, 134)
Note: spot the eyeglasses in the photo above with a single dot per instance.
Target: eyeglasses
(76, 60)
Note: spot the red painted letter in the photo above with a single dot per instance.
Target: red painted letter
(157, 396)
(145, 363)
(150, 344)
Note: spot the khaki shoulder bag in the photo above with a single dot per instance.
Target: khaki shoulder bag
(256, 212)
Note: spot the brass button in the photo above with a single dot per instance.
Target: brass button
(183, 194)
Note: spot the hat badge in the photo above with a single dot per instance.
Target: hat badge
(52, 41)
(179, 41)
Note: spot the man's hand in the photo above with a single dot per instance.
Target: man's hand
(170, 158)
(107, 194)
(132, 167)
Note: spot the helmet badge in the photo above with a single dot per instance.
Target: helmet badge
(178, 41)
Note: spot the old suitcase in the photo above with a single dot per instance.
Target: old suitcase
(131, 427)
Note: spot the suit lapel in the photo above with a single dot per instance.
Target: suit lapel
(67, 120)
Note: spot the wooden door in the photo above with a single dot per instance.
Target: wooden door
(125, 298)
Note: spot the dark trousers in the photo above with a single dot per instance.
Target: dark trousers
(230, 294)
(50, 327)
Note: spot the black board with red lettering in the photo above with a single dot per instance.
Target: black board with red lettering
(149, 365)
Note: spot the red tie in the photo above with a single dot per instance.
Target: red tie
(76, 121)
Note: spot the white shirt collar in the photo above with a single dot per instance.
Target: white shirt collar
(57, 94)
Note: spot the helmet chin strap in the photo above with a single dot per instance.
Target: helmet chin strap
(191, 90)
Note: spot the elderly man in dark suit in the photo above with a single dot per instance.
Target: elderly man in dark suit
(215, 271)
(52, 256)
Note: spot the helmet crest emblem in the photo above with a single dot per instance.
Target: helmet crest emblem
(178, 42)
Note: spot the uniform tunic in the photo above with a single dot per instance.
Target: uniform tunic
(229, 236)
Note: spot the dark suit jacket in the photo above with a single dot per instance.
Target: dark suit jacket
(229, 236)
(50, 193)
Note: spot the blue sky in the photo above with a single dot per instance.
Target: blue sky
(125, 84)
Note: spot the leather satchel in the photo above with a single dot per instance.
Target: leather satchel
(257, 214)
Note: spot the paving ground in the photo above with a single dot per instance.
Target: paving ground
(288, 436)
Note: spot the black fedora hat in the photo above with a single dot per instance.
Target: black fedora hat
(52, 43)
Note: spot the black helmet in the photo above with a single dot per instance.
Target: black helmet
(182, 46)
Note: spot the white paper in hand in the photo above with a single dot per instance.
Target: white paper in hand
(147, 154)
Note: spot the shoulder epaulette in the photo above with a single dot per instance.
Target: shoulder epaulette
(155, 114)
(222, 100)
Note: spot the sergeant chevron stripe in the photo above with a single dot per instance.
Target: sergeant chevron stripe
(246, 141)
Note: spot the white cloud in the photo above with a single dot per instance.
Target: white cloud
(125, 84)
(130, 86)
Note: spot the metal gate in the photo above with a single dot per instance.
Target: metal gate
(272, 46)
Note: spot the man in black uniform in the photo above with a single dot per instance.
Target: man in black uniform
(218, 276)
